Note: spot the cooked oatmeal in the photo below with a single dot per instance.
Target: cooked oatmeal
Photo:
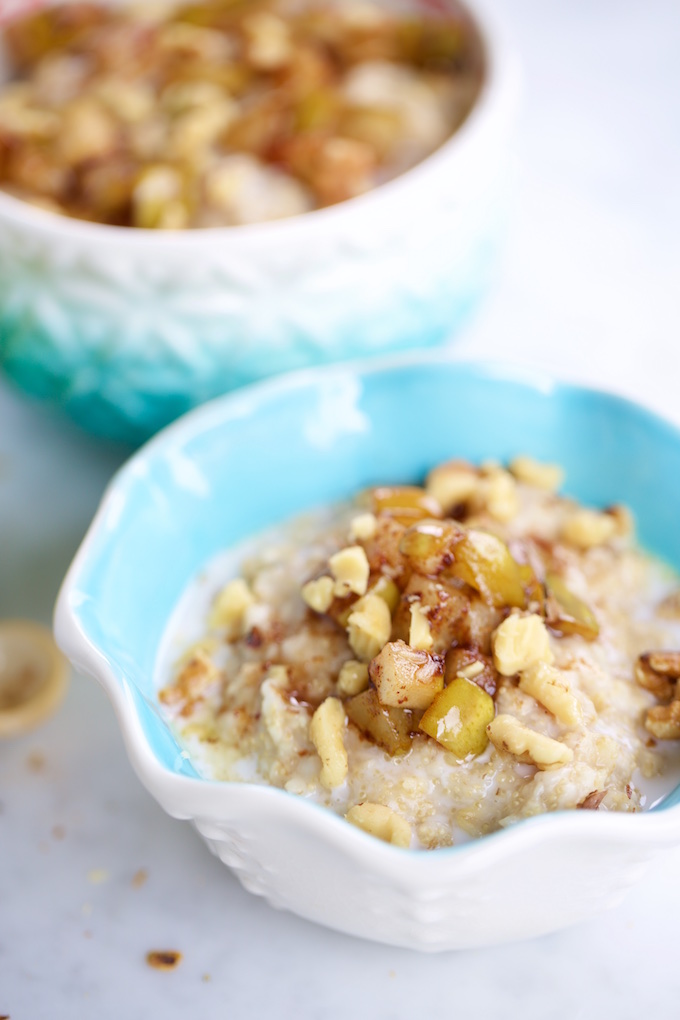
(171, 115)
(434, 663)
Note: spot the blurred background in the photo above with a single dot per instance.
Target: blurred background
(586, 288)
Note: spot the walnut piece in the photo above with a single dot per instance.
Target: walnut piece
(508, 734)
(420, 633)
(369, 626)
(326, 731)
(353, 677)
(659, 673)
(548, 686)
(350, 569)
(318, 594)
(382, 822)
(588, 528)
(533, 472)
(519, 642)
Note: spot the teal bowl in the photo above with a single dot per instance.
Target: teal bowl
(251, 459)
(125, 329)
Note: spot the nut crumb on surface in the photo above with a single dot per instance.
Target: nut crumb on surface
(97, 876)
(139, 878)
(36, 762)
(164, 959)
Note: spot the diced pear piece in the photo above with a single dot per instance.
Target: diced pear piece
(406, 677)
(390, 728)
(405, 503)
(484, 562)
(429, 545)
(458, 717)
(567, 613)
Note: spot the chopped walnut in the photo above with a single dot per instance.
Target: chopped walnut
(588, 528)
(382, 822)
(369, 626)
(533, 472)
(318, 594)
(508, 734)
(326, 733)
(659, 672)
(519, 642)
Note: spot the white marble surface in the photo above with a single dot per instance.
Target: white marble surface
(589, 288)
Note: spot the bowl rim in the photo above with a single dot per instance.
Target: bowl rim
(190, 797)
(498, 95)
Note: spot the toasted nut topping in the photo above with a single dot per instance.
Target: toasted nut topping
(269, 42)
(369, 626)
(593, 800)
(519, 642)
(533, 472)
(452, 484)
(587, 528)
(326, 733)
(363, 527)
(405, 677)
(657, 671)
(666, 663)
(420, 634)
(230, 606)
(663, 721)
(350, 569)
(508, 734)
(381, 821)
(549, 688)
(353, 677)
(471, 671)
(499, 493)
(318, 594)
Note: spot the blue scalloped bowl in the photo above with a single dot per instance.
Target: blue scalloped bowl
(251, 459)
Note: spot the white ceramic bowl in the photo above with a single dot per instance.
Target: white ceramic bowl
(127, 328)
(249, 460)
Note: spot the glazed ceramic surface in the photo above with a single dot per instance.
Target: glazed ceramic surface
(249, 460)
(126, 328)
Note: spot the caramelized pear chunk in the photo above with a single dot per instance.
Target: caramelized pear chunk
(533, 589)
(458, 717)
(404, 503)
(472, 664)
(406, 677)
(446, 608)
(429, 546)
(566, 613)
(484, 562)
(390, 728)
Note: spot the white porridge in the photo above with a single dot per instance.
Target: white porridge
(436, 663)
